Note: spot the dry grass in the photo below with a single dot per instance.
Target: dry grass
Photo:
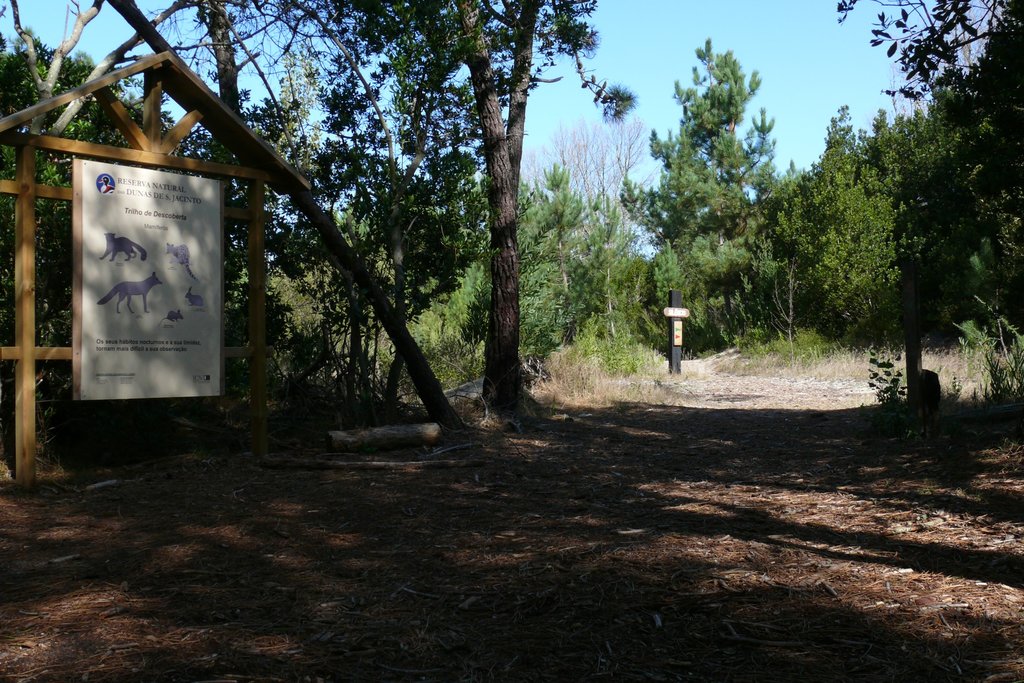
(576, 382)
(579, 384)
(846, 364)
(959, 375)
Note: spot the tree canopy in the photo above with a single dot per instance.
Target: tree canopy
(426, 251)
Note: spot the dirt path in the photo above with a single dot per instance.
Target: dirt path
(704, 387)
(761, 533)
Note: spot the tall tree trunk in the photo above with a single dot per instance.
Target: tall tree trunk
(398, 262)
(354, 388)
(503, 153)
(427, 386)
(215, 15)
(391, 388)
(501, 353)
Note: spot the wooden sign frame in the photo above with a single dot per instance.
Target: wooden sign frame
(149, 146)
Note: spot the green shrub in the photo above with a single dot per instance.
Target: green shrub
(620, 355)
(1004, 372)
(807, 345)
(454, 358)
(893, 415)
(1000, 354)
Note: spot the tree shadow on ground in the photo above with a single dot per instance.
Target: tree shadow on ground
(636, 543)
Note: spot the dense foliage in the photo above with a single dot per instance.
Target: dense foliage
(394, 145)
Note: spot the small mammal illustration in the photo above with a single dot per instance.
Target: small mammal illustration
(180, 254)
(126, 290)
(173, 316)
(122, 245)
(193, 299)
(931, 395)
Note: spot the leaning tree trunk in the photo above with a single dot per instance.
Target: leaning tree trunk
(427, 386)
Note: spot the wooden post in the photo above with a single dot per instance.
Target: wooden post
(912, 339)
(675, 300)
(257, 320)
(25, 318)
(152, 125)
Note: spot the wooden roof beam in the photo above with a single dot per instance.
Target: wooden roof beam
(122, 119)
(26, 115)
(192, 94)
(152, 106)
(181, 130)
(139, 157)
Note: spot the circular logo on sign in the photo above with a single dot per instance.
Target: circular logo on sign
(105, 183)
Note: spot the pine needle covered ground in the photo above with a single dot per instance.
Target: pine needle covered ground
(746, 532)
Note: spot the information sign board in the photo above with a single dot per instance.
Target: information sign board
(148, 283)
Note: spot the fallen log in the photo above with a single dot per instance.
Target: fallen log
(284, 462)
(385, 438)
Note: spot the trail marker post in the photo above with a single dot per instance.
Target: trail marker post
(675, 313)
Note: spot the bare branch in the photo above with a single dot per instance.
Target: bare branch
(114, 57)
(498, 16)
(251, 58)
(45, 86)
(31, 57)
(67, 45)
(367, 89)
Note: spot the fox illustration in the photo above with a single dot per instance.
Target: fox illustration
(126, 290)
(194, 300)
(123, 245)
(179, 253)
(173, 316)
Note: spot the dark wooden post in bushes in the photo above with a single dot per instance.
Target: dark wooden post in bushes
(912, 339)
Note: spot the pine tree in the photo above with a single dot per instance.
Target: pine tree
(714, 176)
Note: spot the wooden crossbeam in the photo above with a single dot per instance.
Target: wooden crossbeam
(122, 119)
(26, 115)
(180, 131)
(42, 191)
(139, 157)
(41, 353)
(9, 353)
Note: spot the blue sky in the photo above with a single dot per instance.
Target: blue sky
(809, 64)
